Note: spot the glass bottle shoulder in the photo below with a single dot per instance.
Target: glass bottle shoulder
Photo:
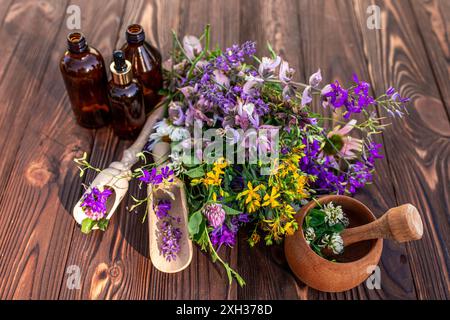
(83, 62)
(130, 90)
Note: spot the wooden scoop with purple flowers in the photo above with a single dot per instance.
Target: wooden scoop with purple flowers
(115, 178)
(167, 215)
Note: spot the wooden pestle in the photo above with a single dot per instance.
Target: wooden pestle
(401, 224)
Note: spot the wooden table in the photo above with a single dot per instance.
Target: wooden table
(39, 183)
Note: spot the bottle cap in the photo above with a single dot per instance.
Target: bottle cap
(121, 69)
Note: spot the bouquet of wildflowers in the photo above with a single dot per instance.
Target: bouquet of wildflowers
(248, 147)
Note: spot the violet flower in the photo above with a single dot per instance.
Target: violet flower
(94, 203)
(169, 236)
(151, 177)
(169, 240)
(163, 208)
(192, 46)
(314, 81)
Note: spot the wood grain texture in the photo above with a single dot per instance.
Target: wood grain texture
(340, 35)
(200, 280)
(433, 21)
(268, 21)
(39, 184)
(418, 150)
(32, 244)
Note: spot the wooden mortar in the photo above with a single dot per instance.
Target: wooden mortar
(363, 241)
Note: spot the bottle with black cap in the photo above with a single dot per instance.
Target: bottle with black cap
(84, 74)
(146, 64)
(126, 99)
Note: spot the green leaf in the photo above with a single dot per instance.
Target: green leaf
(196, 172)
(272, 52)
(103, 224)
(201, 232)
(87, 224)
(194, 222)
(337, 228)
(230, 211)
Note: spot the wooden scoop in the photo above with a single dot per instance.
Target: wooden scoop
(179, 210)
(401, 224)
(118, 173)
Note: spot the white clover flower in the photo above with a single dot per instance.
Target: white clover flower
(334, 214)
(324, 241)
(333, 242)
(310, 235)
(336, 243)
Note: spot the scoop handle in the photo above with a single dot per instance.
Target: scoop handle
(401, 224)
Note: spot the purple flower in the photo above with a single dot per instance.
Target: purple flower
(390, 91)
(315, 79)
(373, 153)
(306, 96)
(268, 66)
(335, 95)
(223, 236)
(192, 46)
(94, 203)
(169, 239)
(155, 178)
(233, 56)
(163, 208)
(168, 234)
(215, 214)
(285, 150)
(151, 177)
(353, 100)
(167, 173)
(286, 72)
(176, 114)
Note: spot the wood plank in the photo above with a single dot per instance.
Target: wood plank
(203, 279)
(114, 264)
(33, 162)
(433, 20)
(337, 50)
(419, 149)
(21, 73)
(129, 258)
(265, 268)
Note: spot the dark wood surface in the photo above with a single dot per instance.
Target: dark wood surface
(39, 183)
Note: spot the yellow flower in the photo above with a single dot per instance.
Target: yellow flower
(253, 206)
(253, 199)
(288, 210)
(254, 239)
(300, 184)
(219, 165)
(271, 199)
(289, 228)
(212, 179)
(251, 193)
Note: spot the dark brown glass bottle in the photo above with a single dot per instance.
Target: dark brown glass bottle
(126, 99)
(146, 62)
(84, 74)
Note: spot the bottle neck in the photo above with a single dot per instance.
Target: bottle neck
(135, 34)
(76, 42)
(119, 77)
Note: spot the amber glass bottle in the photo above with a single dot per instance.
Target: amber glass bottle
(84, 74)
(126, 99)
(146, 63)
